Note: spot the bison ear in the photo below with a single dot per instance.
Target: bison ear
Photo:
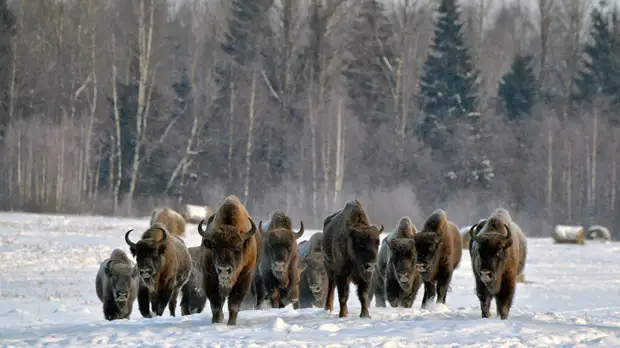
(207, 243)
(390, 242)
(506, 243)
(107, 269)
(162, 248)
(135, 272)
(302, 266)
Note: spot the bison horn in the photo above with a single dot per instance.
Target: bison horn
(507, 232)
(301, 231)
(471, 231)
(251, 232)
(130, 243)
(201, 232)
(260, 227)
(381, 229)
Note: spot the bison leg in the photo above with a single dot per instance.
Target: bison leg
(238, 292)
(172, 305)
(429, 293)
(110, 310)
(261, 293)
(144, 302)
(503, 300)
(329, 299)
(163, 298)
(485, 299)
(379, 290)
(442, 287)
(362, 295)
(275, 298)
(343, 295)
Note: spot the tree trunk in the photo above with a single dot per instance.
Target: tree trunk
(118, 153)
(249, 148)
(339, 174)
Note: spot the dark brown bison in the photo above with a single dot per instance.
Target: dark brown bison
(193, 296)
(229, 256)
(277, 275)
(351, 245)
(117, 285)
(164, 265)
(439, 254)
(174, 222)
(313, 277)
(498, 251)
(396, 277)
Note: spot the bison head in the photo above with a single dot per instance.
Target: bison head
(312, 268)
(149, 253)
(226, 245)
(122, 278)
(403, 258)
(428, 245)
(279, 247)
(491, 254)
(363, 247)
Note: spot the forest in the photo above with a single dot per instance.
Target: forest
(115, 107)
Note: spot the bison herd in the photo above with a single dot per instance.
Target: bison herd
(263, 266)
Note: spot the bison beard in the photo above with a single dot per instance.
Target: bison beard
(351, 245)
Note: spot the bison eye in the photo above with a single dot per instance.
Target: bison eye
(237, 248)
(377, 243)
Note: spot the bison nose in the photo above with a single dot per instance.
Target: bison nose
(145, 273)
(315, 288)
(224, 270)
(420, 267)
(369, 267)
(279, 266)
(121, 295)
(404, 277)
(485, 276)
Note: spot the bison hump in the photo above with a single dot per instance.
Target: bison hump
(279, 219)
(405, 228)
(435, 221)
(354, 211)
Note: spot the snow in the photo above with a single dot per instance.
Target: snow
(47, 298)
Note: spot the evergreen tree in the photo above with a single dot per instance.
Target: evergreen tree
(7, 30)
(600, 71)
(518, 88)
(449, 81)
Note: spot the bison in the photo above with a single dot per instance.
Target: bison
(193, 296)
(312, 276)
(174, 222)
(229, 257)
(350, 244)
(164, 265)
(277, 275)
(117, 285)
(498, 251)
(439, 253)
(396, 277)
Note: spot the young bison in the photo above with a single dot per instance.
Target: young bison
(174, 222)
(396, 277)
(350, 244)
(193, 296)
(117, 285)
(439, 253)
(277, 275)
(313, 277)
(229, 256)
(164, 265)
(498, 252)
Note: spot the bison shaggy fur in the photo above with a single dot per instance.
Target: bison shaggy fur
(396, 277)
(351, 245)
(498, 251)
(439, 253)
(117, 285)
(193, 296)
(229, 257)
(174, 222)
(277, 275)
(164, 266)
(313, 281)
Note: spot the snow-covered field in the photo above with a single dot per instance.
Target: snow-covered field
(47, 298)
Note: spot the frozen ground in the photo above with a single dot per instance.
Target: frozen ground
(47, 298)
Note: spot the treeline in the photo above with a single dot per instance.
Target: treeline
(113, 107)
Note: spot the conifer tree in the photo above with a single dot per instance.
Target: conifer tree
(518, 88)
(449, 81)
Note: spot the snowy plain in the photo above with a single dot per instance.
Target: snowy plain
(48, 265)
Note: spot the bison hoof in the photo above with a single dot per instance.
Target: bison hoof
(365, 316)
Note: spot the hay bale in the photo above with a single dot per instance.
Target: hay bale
(465, 237)
(564, 234)
(196, 213)
(598, 232)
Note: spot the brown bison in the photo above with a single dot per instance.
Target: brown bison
(312, 277)
(117, 285)
(396, 277)
(174, 222)
(229, 257)
(439, 253)
(193, 296)
(350, 244)
(164, 265)
(277, 275)
(498, 251)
